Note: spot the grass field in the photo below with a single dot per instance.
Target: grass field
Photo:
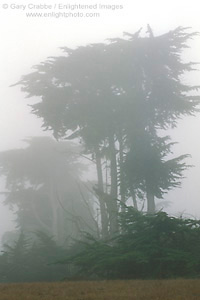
(104, 290)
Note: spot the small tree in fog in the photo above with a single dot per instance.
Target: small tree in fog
(44, 182)
(148, 170)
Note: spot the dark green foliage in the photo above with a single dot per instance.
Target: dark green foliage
(150, 246)
(146, 164)
(98, 88)
(27, 261)
(13, 263)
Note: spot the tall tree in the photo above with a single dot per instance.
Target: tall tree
(107, 95)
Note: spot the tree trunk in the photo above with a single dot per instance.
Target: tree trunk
(54, 209)
(150, 201)
(40, 222)
(102, 204)
(122, 180)
(57, 214)
(134, 198)
(113, 207)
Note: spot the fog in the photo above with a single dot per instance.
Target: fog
(27, 41)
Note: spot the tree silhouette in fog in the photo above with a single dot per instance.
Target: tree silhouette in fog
(115, 97)
(42, 181)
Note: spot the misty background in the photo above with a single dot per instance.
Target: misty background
(26, 42)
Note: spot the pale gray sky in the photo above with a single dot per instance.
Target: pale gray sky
(27, 41)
